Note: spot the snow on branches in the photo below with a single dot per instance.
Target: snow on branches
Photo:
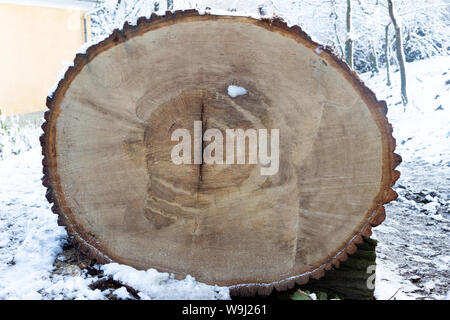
(425, 23)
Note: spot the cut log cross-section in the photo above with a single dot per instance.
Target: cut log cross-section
(107, 152)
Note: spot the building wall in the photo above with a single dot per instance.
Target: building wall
(36, 43)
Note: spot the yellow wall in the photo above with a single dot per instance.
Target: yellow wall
(35, 43)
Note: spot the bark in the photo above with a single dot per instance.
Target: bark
(399, 51)
(354, 279)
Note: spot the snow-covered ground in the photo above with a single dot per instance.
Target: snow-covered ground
(413, 256)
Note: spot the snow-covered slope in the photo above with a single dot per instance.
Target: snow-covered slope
(423, 129)
(413, 255)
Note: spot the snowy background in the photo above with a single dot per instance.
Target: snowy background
(413, 253)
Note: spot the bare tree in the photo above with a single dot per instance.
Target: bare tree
(399, 50)
(387, 52)
(373, 58)
(335, 22)
(348, 38)
(355, 28)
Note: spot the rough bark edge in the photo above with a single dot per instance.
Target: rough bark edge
(88, 244)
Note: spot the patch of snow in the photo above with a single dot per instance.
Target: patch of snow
(422, 130)
(236, 91)
(122, 293)
(34, 237)
(152, 284)
(429, 286)
(226, 12)
(443, 263)
(389, 285)
(438, 217)
(431, 206)
(412, 251)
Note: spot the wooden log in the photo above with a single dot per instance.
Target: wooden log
(107, 149)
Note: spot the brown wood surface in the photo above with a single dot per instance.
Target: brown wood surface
(107, 151)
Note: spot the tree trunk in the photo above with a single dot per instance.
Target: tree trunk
(348, 38)
(388, 55)
(336, 34)
(373, 59)
(399, 51)
(109, 152)
(169, 4)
